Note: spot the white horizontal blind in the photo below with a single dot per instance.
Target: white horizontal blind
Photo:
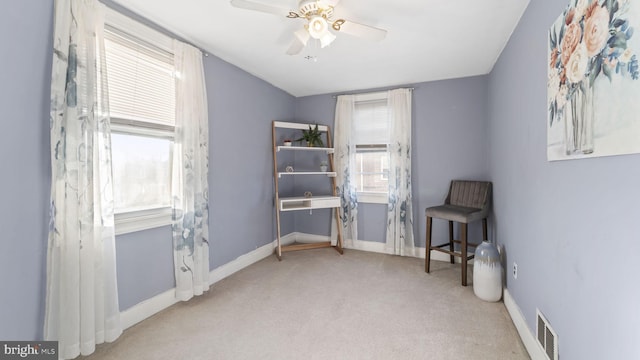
(141, 79)
(371, 136)
(371, 122)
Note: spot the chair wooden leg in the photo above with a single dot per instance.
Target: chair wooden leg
(484, 230)
(463, 250)
(451, 257)
(427, 258)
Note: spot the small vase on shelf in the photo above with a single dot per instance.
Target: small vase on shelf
(323, 166)
(487, 272)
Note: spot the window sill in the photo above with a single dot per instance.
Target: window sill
(373, 198)
(128, 222)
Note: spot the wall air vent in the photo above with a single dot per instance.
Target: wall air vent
(547, 338)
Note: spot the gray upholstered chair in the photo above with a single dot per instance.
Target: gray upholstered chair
(467, 201)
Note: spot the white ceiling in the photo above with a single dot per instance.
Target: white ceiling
(427, 40)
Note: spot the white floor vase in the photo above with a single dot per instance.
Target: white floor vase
(487, 273)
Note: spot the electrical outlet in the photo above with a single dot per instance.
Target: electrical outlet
(515, 270)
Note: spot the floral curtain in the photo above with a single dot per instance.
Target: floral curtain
(400, 215)
(81, 297)
(190, 188)
(344, 161)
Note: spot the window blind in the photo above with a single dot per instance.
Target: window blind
(141, 79)
(371, 122)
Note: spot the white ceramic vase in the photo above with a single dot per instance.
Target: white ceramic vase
(487, 272)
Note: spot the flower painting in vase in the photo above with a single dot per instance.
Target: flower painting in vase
(591, 60)
(578, 121)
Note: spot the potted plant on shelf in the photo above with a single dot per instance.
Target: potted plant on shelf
(287, 142)
(323, 166)
(313, 137)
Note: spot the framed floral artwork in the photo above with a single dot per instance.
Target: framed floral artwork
(593, 92)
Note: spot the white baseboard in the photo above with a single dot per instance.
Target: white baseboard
(154, 305)
(528, 338)
(373, 246)
(147, 308)
(245, 260)
(370, 246)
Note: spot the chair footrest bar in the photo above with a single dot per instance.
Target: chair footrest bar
(469, 257)
(457, 242)
(468, 244)
(439, 246)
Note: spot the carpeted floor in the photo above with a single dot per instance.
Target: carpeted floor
(317, 304)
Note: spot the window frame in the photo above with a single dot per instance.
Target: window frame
(154, 217)
(373, 197)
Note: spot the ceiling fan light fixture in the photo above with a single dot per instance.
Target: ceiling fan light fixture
(318, 27)
(319, 18)
(327, 39)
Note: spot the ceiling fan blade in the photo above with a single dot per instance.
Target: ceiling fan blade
(300, 39)
(360, 30)
(250, 5)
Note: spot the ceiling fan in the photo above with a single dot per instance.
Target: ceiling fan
(319, 17)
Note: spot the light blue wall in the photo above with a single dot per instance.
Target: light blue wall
(315, 110)
(25, 71)
(144, 261)
(560, 221)
(449, 142)
(570, 225)
(241, 108)
(449, 139)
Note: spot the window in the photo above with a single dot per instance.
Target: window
(141, 171)
(373, 169)
(141, 80)
(371, 135)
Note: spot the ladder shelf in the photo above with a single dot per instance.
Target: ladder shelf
(297, 203)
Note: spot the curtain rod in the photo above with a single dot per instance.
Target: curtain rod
(374, 92)
(130, 15)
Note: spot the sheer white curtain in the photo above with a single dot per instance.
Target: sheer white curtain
(82, 298)
(400, 214)
(190, 189)
(344, 161)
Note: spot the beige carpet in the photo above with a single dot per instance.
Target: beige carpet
(316, 304)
